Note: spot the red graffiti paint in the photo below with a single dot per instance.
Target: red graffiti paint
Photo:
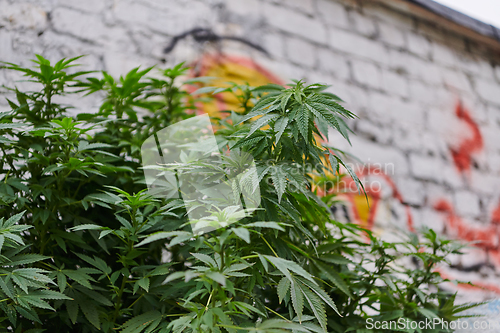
(462, 155)
(375, 195)
(476, 285)
(488, 237)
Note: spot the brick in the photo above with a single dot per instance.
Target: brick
(422, 93)
(333, 13)
(455, 79)
(359, 46)
(22, 16)
(403, 113)
(388, 109)
(425, 71)
(282, 69)
(426, 168)
(319, 77)
(118, 64)
(473, 256)
(436, 192)
(6, 51)
(367, 73)
(274, 43)
(355, 97)
(395, 83)
(444, 55)
(431, 219)
(451, 176)
(407, 139)
(445, 123)
(412, 191)
(419, 45)
(467, 203)
(494, 163)
(389, 158)
(433, 144)
(303, 6)
(491, 139)
(301, 52)
(392, 35)
(244, 7)
(496, 71)
(392, 17)
(172, 21)
(372, 132)
(486, 183)
(488, 90)
(91, 6)
(89, 27)
(363, 24)
(477, 66)
(295, 23)
(333, 63)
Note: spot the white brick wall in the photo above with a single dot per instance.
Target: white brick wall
(401, 75)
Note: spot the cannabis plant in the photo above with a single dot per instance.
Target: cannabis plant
(86, 247)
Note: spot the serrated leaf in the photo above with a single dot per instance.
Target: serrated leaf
(280, 127)
(283, 288)
(242, 233)
(91, 313)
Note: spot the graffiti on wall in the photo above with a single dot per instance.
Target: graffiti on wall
(385, 202)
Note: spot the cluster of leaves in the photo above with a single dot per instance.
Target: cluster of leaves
(85, 248)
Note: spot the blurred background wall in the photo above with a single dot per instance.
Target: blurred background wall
(425, 85)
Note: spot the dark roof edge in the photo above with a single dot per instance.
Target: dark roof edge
(459, 18)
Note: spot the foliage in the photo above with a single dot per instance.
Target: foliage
(85, 248)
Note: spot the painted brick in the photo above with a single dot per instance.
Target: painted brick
(488, 90)
(22, 16)
(455, 79)
(395, 83)
(274, 43)
(244, 7)
(392, 35)
(6, 51)
(407, 140)
(295, 23)
(333, 63)
(419, 45)
(431, 219)
(303, 6)
(444, 55)
(433, 144)
(422, 93)
(172, 21)
(389, 157)
(333, 13)
(486, 183)
(367, 73)
(89, 27)
(413, 191)
(91, 6)
(392, 17)
(364, 25)
(467, 203)
(395, 111)
(426, 168)
(373, 132)
(497, 73)
(451, 176)
(357, 45)
(301, 52)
